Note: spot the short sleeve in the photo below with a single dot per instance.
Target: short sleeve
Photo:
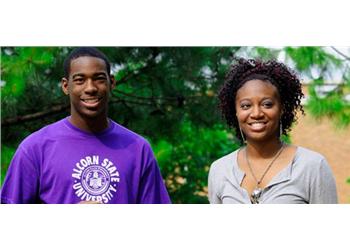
(323, 188)
(152, 189)
(212, 187)
(21, 182)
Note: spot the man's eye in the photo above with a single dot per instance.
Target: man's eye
(78, 80)
(102, 78)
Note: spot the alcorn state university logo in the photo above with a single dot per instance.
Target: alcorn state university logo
(95, 180)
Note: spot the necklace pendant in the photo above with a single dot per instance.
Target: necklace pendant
(255, 196)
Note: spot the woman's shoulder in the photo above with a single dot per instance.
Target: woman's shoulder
(224, 162)
(309, 154)
(310, 161)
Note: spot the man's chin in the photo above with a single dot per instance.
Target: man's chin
(90, 114)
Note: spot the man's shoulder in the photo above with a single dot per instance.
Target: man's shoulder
(130, 141)
(47, 132)
(124, 132)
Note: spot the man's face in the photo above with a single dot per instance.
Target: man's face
(88, 87)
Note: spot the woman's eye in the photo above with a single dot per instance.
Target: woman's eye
(245, 106)
(268, 104)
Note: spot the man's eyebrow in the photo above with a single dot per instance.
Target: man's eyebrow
(95, 74)
(100, 73)
(78, 74)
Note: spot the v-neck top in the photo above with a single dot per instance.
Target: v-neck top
(306, 179)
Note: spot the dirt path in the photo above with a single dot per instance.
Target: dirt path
(323, 137)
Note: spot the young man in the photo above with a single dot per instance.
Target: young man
(86, 157)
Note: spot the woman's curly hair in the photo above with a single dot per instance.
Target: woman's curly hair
(278, 74)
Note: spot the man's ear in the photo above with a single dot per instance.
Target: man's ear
(113, 83)
(64, 86)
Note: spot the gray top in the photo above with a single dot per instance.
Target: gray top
(307, 179)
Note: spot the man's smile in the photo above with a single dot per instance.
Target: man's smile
(91, 101)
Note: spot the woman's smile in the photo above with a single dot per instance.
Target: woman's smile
(257, 126)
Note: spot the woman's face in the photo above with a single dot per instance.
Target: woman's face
(258, 110)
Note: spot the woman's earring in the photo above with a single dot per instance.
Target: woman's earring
(242, 135)
(281, 130)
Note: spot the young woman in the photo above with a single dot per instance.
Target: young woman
(260, 101)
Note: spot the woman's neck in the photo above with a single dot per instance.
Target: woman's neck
(263, 150)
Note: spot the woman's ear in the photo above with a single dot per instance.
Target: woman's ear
(282, 111)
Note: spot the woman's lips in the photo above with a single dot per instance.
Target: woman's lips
(257, 126)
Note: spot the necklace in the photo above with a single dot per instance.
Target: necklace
(255, 196)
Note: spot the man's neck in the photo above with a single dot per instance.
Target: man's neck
(93, 125)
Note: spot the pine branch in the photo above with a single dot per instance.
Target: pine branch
(340, 53)
(35, 116)
(146, 97)
(149, 64)
(53, 110)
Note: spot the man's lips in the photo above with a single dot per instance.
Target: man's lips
(91, 101)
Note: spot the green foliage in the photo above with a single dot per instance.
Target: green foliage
(18, 65)
(263, 52)
(185, 162)
(6, 156)
(307, 57)
(333, 106)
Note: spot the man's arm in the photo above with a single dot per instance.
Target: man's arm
(152, 189)
(22, 179)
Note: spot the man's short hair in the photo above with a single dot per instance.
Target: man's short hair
(84, 51)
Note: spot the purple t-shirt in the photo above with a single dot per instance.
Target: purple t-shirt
(63, 164)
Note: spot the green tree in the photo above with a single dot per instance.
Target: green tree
(320, 66)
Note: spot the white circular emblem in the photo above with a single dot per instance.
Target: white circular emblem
(95, 180)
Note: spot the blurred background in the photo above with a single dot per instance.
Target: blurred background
(169, 95)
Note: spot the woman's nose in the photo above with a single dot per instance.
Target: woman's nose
(256, 112)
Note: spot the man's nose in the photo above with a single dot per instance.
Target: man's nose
(90, 86)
